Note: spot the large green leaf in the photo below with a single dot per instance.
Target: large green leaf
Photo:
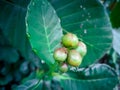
(96, 77)
(89, 21)
(12, 23)
(29, 85)
(43, 29)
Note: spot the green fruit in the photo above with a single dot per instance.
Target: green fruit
(60, 54)
(70, 40)
(63, 68)
(74, 58)
(82, 49)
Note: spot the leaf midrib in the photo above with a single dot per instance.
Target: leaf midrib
(46, 34)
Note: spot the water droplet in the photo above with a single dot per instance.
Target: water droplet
(43, 3)
(42, 61)
(88, 13)
(81, 6)
(26, 24)
(84, 8)
(87, 20)
(81, 25)
(82, 15)
(85, 31)
(33, 3)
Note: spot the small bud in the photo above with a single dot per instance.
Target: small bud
(63, 68)
(74, 58)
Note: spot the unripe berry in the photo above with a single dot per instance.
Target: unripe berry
(70, 40)
(82, 49)
(74, 58)
(60, 54)
(63, 68)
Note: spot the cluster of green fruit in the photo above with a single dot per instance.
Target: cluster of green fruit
(71, 53)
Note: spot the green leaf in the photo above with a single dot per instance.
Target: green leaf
(90, 22)
(93, 78)
(43, 29)
(116, 40)
(12, 23)
(29, 85)
(114, 16)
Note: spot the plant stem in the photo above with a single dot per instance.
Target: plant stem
(49, 73)
(38, 83)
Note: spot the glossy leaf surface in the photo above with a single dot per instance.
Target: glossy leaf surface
(43, 29)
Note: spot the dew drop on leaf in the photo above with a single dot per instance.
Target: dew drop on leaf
(87, 20)
(26, 25)
(42, 61)
(81, 6)
(81, 25)
(33, 3)
(84, 8)
(82, 15)
(85, 31)
(43, 3)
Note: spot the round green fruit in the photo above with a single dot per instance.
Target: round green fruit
(70, 40)
(63, 68)
(60, 54)
(74, 58)
(82, 49)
